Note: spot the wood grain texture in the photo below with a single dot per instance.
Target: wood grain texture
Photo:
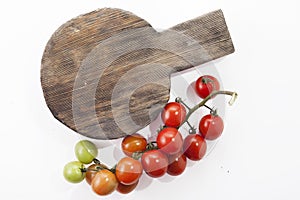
(105, 87)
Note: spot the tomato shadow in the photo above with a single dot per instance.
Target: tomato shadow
(144, 182)
(190, 163)
(166, 178)
(154, 127)
(118, 153)
(191, 94)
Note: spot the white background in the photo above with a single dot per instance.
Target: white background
(256, 158)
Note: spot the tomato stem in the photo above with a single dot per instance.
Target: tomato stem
(202, 103)
(161, 128)
(213, 111)
(113, 169)
(96, 161)
(150, 146)
(94, 170)
(179, 100)
(208, 107)
(192, 129)
(137, 155)
(83, 170)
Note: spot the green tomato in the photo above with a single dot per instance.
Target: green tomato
(86, 151)
(73, 173)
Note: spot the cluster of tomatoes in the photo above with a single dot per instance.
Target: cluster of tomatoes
(167, 154)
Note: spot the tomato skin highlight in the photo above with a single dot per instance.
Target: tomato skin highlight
(177, 164)
(173, 114)
(211, 126)
(133, 143)
(194, 147)
(205, 85)
(155, 163)
(104, 182)
(128, 171)
(169, 140)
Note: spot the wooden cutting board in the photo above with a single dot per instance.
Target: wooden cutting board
(106, 74)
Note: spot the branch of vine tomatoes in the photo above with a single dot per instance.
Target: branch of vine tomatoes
(202, 103)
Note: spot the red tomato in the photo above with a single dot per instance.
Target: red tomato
(125, 189)
(205, 85)
(169, 140)
(128, 171)
(155, 163)
(211, 126)
(177, 164)
(133, 143)
(194, 147)
(104, 182)
(91, 172)
(173, 114)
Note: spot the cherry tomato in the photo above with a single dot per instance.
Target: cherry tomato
(155, 163)
(211, 126)
(125, 189)
(85, 151)
(128, 171)
(73, 172)
(194, 147)
(169, 140)
(205, 85)
(133, 143)
(173, 114)
(177, 164)
(104, 182)
(91, 172)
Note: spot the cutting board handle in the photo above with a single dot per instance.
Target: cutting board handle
(211, 34)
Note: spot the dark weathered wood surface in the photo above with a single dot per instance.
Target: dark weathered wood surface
(106, 100)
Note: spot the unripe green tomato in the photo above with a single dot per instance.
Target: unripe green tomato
(86, 151)
(73, 173)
